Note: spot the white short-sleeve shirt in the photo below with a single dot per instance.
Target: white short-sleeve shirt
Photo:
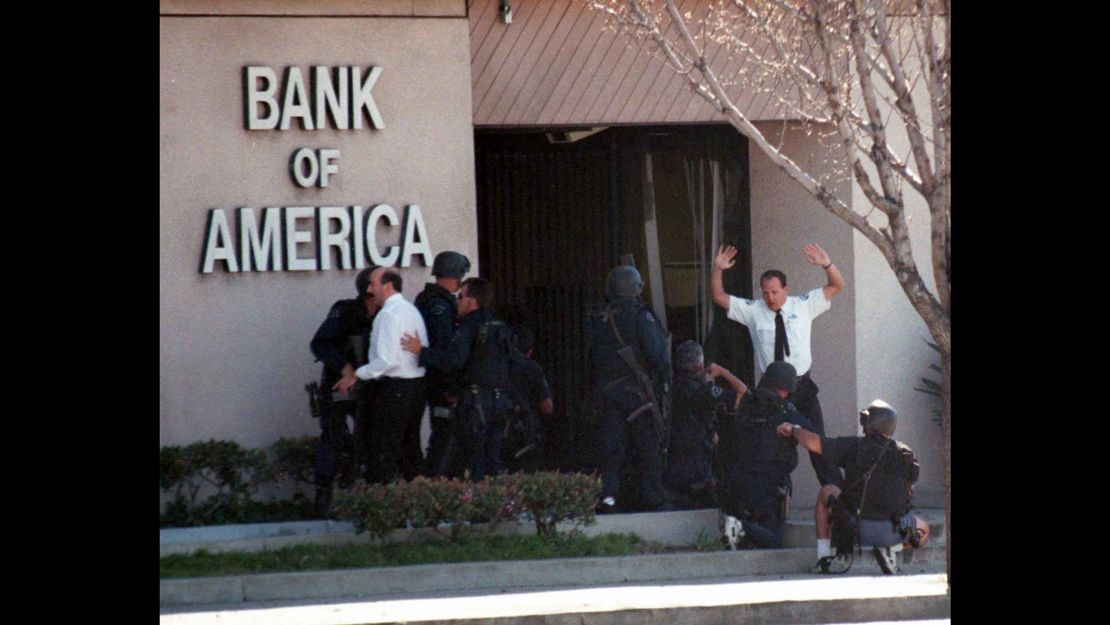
(797, 313)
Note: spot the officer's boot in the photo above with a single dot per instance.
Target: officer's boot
(887, 558)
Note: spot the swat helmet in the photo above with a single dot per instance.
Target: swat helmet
(450, 265)
(688, 355)
(879, 417)
(781, 375)
(623, 281)
(362, 281)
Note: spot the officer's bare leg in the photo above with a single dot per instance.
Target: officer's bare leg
(821, 512)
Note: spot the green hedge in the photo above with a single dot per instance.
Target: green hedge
(545, 498)
(236, 473)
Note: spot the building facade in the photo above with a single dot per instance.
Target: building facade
(301, 141)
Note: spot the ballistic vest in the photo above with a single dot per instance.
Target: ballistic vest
(885, 491)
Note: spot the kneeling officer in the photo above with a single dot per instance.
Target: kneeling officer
(874, 509)
(756, 461)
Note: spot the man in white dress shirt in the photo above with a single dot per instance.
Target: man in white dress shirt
(780, 326)
(399, 398)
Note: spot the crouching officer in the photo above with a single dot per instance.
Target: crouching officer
(697, 405)
(874, 508)
(631, 362)
(756, 461)
(480, 349)
(530, 394)
(439, 308)
(341, 344)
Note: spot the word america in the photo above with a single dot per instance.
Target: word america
(272, 243)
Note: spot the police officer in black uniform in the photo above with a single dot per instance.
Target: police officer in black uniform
(874, 508)
(631, 429)
(341, 344)
(439, 307)
(480, 350)
(756, 461)
(697, 405)
(530, 394)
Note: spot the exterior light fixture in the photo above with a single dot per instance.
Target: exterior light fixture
(506, 12)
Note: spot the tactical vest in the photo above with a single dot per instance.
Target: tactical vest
(489, 358)
(760, 448)
(624, 316)
(885, 492)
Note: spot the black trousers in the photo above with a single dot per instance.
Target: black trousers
(395, 421)
(805, 400)
(634, 446)
(756, 500)
(335, 443)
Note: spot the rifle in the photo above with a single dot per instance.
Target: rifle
(647, 391)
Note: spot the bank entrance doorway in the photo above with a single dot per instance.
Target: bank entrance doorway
(557, 210)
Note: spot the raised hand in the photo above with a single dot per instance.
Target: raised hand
(726, 258)
(815, 254)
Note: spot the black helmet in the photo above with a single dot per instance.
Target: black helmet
(362, 281)
(450, 265)
(688, 355)
(781, 375)
(879, 417)
(623, 281)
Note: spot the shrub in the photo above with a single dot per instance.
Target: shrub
(545, 498)
(294, 459)
(234, 471)
(374, 508)
(552, 498)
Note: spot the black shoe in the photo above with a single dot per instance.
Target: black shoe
(832, 564)
(887, 558)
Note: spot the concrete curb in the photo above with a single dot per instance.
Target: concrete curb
(680, 528)
(502, 575)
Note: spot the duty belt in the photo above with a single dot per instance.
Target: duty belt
(476, 390)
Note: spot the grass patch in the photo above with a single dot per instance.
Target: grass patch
(467, 549)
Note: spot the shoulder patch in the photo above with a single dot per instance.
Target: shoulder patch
(335, 313)
(438, 309)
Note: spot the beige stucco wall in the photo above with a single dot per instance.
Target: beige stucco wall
(234, 347)
(784, 218)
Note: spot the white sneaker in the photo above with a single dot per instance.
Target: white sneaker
(732, 530)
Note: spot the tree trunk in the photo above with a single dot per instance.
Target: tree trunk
(945, 414)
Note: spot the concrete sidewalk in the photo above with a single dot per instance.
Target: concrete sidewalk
(792, 599)
(387, 593)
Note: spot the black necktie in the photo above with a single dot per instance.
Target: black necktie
(782, 346)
